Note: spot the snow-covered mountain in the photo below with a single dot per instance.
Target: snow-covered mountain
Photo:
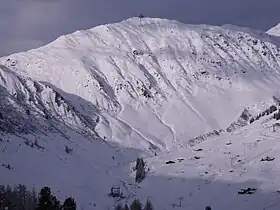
(77, 111)
(275, 31)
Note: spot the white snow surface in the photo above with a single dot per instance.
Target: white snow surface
(144, 88)
(275, 31)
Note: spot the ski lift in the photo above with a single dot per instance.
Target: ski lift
(140, 17)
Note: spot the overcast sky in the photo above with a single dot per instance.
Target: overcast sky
(26, 24)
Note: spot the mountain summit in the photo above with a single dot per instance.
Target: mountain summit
(275, 31)
(161, 69)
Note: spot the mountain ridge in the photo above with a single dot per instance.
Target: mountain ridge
(142, 87)
(275, 31)
(113, 58)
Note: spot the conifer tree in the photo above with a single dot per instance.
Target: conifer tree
(69, 204)
(148, 205)
(47, 201)
(140, 170)
(136, 205)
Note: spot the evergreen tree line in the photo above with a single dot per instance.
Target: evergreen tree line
(136, 205)
(20, 198)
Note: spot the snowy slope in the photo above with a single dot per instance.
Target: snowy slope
(136, 88)
(180, 72)
(45, 141)
(275, 31)
(213, 172)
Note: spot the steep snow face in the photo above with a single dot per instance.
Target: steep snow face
(157, 81)
(275, 31)
(46, 141)
(29, 106)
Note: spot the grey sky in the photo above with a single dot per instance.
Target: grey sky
(26, 24)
